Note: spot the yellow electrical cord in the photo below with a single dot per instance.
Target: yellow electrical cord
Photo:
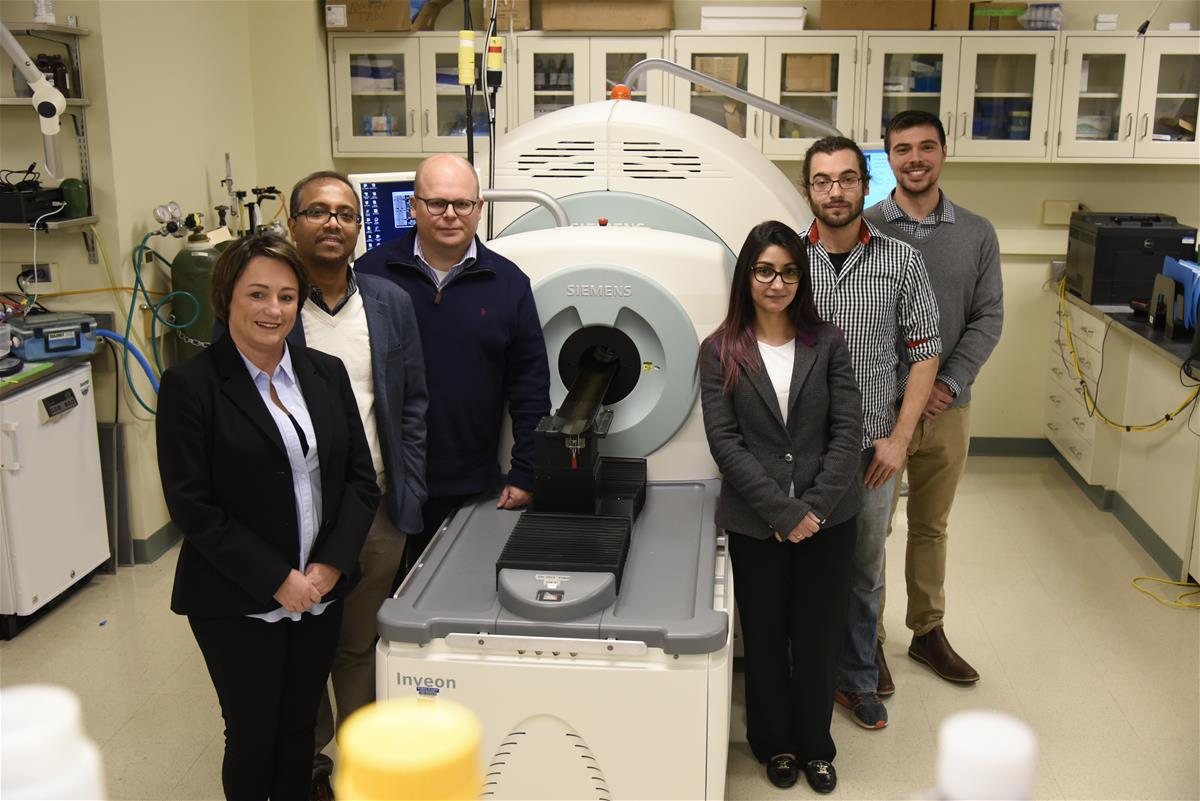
(1178, 603)
(1089, 400)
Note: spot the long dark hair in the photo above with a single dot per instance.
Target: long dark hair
(734, 338)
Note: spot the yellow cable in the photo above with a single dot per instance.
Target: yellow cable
(1090, 401)
(1178, 603)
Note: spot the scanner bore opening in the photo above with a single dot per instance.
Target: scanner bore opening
(591, 343)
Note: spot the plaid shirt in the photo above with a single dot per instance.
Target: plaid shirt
(318, 297)
(944, 213)
(881, 292)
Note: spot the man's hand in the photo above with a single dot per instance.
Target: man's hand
(890, 453)
(807, 527)
(323, 577)
(513, 497)
(296, 593)
(939, 398)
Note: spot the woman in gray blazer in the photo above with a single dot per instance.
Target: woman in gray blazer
(783, 416)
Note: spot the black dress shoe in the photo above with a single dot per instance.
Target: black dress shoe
(821, 776)
(783, 770)
(933, 650)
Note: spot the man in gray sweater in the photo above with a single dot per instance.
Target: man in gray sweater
(963, 259)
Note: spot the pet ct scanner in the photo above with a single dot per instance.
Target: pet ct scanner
(592, 633)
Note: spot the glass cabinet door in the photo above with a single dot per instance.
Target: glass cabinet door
(1100, 95)
(1166, 124)
(905, 72)
(376, 95)
(553, 75)
(612, 58)
(734, 60)
(1004, 97)
(444, 111)
(808, 75)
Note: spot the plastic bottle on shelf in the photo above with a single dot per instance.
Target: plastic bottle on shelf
(43, 11)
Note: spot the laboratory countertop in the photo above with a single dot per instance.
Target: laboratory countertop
(1175, 350)
(34, 373)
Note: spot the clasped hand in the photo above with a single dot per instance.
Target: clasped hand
(299, 591)
(807, 527)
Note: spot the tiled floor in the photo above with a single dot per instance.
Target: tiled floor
(1039, 598)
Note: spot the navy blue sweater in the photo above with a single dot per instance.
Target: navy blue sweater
(483, 346)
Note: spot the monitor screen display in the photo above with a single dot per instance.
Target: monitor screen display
(883, 181)
(387, 212)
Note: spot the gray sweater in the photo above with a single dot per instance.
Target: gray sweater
(963, 260)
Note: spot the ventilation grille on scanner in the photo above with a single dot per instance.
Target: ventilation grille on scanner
(622, 488)
(656, 161)
(566, 543)
(564, 159)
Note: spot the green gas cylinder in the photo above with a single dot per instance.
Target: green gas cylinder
(191, 272)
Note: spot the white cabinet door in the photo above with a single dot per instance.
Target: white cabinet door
(612, 57)
(815, 75)
(1004, 97)
(552, 74)
(1166, 122)
(375, 95)
(909, 72)
(737, 60)
(444, 107)
(1099, 97)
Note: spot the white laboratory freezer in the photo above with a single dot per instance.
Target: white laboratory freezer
(53, 529)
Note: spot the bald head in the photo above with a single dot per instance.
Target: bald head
(445, 167)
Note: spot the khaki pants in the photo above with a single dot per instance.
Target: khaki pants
(936, 458)
(353, 671)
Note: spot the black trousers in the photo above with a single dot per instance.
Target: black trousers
(269, 678)
(792, 600)
(433, 514)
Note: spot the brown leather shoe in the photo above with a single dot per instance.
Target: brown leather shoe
(885, 686)
(934, 650)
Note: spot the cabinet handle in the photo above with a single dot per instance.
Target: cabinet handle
(1145, 126)
(963, 132)
(1078, 423)
(1057, 401)
(950, 123)
(14, 463)
(1057, 371)
(1053, 427)
(1086, 330)
(1078, 453)
(426, 122)
(412, 121)
(1129, 125)
(756, 123)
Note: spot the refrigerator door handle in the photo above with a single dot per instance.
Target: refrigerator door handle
(13, 465)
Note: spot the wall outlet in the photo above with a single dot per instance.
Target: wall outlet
(46, 273)
(1058, 212)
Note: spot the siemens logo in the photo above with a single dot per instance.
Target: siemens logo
(425, 681)
(599, 290)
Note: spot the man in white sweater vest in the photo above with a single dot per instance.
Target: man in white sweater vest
(369, 324)
(963, 259)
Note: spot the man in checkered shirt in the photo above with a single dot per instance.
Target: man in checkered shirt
(877, 291)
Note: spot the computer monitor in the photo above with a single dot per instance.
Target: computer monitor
(387, 199)
(883, 181)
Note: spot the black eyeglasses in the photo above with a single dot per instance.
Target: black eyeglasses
(322, 216)
(849, 181)
(438, 205)
(765, 275)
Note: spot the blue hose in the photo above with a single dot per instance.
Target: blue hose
(131, 348)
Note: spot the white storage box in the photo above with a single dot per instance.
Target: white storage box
(753, 18)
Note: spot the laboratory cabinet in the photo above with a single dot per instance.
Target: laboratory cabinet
(1130, 98)
(399, 95)
(993, 92)
(815, 73)
(556, 72)
(53, 526)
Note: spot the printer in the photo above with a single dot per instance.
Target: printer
(1112, 258)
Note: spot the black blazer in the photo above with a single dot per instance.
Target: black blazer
(819, 449)
(228, 484)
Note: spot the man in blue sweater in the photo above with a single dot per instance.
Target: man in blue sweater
(482, 340)
(963, 259)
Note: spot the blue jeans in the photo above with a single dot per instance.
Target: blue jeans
(858, 671)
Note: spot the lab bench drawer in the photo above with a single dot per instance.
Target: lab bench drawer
(1084, 326)
(1089, 446)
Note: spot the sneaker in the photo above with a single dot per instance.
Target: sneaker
(865, 708)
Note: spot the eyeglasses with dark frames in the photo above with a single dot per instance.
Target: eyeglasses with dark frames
(321, 216)
(765, 275)
(438, 205)
(821, 185)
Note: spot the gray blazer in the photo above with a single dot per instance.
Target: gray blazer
(401, 399)
(818, 450)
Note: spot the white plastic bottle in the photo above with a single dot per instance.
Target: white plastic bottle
(43, 749)
(984, 755)
(43, 11)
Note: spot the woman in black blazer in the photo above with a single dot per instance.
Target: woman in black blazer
(783, 416)
(266, 471)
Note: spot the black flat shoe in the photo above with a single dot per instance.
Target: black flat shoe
(783, 771)
(821, 776)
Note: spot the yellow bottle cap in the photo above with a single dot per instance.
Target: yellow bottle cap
(411, 748)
